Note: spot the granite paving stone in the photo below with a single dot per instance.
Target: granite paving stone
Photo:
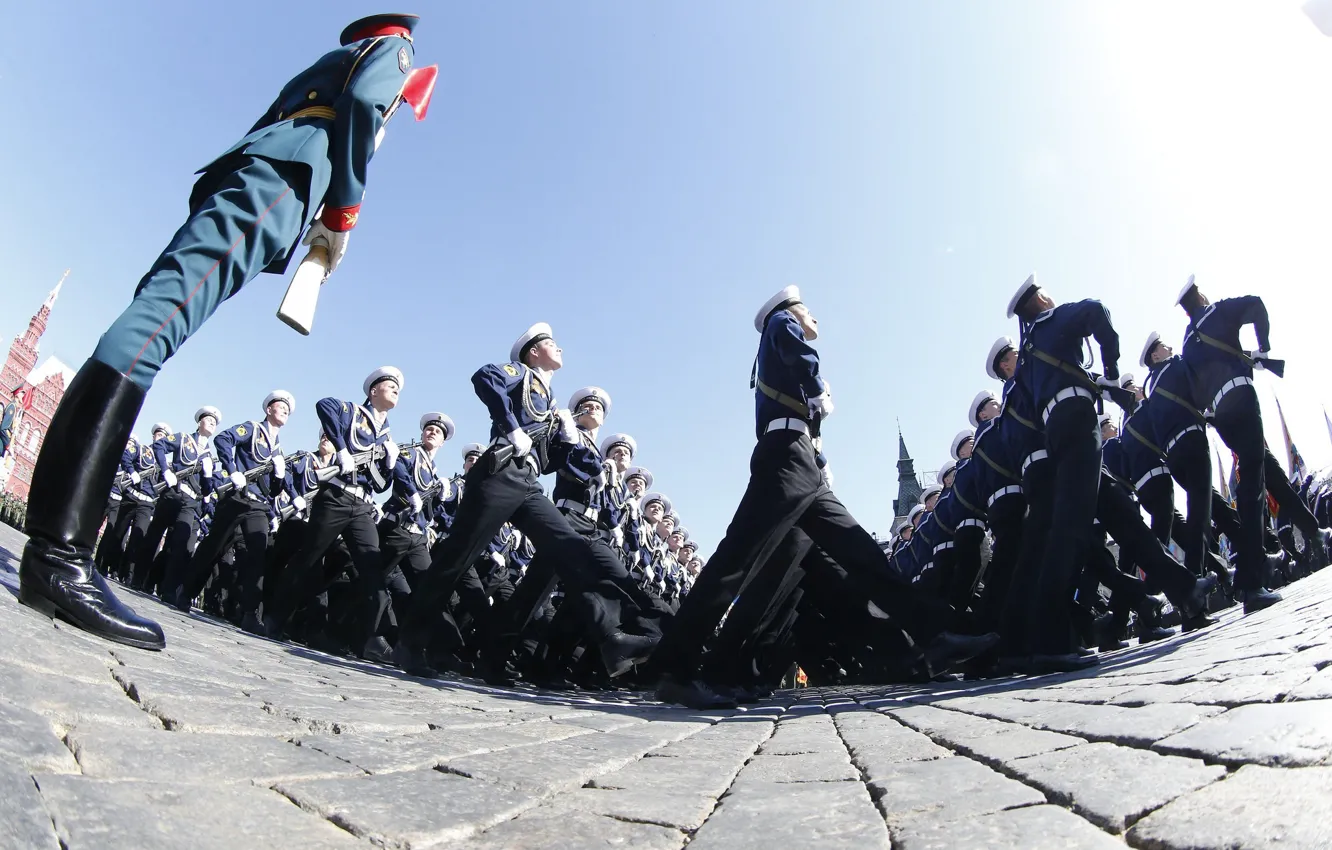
(563, 829)
(70, 702)
(420, 808)
(110, 815)
(1290, 734)
(767, 815)
(28, 741)
(24, 821)
(945, 789)
(387, 754)
(1030, 828)
(1110, 785)
(1257, 807)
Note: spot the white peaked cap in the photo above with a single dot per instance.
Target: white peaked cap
(444, 422)
(619, 440)
(947, 468)
(1001, 344)
(788, 296)
(383, 373)
(473, 449)
(207, 410)
(932, 490)
(982, 397)
(656, 497)
(161, 426)
(958, 439)
(639, 472)
(1185, 290)
(529, 337)
(915, 512)
(280, 395)
(590, 392)
(1027, 287)
(1107, 419)
(1152, 339)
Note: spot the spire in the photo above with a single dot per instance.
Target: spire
(908, 487)
(55, 293)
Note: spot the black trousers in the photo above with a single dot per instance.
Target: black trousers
(511, 494)
(234, 515)
(333, 514)
(177, 517)
(1190, 462)
(1122, 520)
(786, 490)
(1006, 516)
(108, 541)
(1062, 497)
(1239, 422)
(389, 588)
(127, 538)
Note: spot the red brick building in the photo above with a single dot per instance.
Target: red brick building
(45, 383)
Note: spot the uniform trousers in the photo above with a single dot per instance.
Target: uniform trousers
(786, 490)
(177, 517)
(334, 514)
(235, 514)
(1239, 422)
(108, 541)
(390, 587)
(1190, 462)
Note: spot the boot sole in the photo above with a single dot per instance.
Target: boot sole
(40, 603)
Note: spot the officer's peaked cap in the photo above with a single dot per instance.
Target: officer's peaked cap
(385, 24)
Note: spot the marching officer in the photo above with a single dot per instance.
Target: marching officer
(308, 151)
(250, 456)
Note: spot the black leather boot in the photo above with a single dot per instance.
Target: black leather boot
(70, 486)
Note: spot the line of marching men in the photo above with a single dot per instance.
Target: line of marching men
(1015, 534)
(297, 545)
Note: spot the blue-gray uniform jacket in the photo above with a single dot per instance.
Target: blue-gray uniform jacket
(302, 476)
(139, 457)
(1050, 354)
(352, 427)
(786, 372)
(186, 449)
(1212, 345)
(446, 510)
(241, 448)
(516, 397)
(1140, 457)
(1170, 388)
(324, 121)
(413, 475)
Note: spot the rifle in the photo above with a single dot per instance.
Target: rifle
(253, 474)
(188, 469)
(360, 460)
(125, 480)
(542, 436)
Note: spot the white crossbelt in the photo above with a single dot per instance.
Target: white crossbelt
(352, 489)
(1149, 475)
(577, 507)
(1039, 454)
(1175, 439)
(1064, 395)
(1228, 386)
(789, 423)
(1003, 491)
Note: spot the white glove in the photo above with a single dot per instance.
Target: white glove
(170, 478)
(237, 480)
(416, 503)
(345, 462)
(334, 240)
(497, 558)
(1107, 383)
(391, 455)
(298, 503)
(1258, 356)
(378, 510)
(827, 475)
(598, 482)
(206, 466)
(273, 525)
(618, 536)
(279, 466)
(136, 477)
(821, 405)
(568, 428)
(522, 444)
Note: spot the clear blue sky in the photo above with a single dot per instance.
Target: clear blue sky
(643, 176)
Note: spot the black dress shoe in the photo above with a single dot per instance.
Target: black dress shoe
(66, 502)
(1112, 645)
(1201, 621)
(413, 661)
(692, 694)
(1066, 663)
(1195, 601)
(1257, 600)
(949, 649)
(276, 628)
(620, 652)
(377, 649)
(251, 624)
(182, 603)
(321, 641)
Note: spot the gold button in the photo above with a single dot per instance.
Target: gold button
(312, 95)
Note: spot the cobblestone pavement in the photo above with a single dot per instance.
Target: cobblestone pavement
(1221, 739)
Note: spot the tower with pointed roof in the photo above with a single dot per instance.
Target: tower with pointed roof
(908, 486)
(45, 384)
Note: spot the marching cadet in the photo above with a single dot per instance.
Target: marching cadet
(181, 503)
(250, 457)
(1223, 384)
(408, 513)
(345, 506)
(787, 489)
(503, 487)
(1062, 499)
(308, 151)
(138, 466)
(448, 506)
(10, 418)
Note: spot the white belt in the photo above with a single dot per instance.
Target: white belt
(1175, 439)
(139, 495)
(1150, 474)
(943, 546)
(1064, 395)
(979, 523)
(1230, 385)
(1039, 454)
(353, 489)
(577, 507)
(187, 491)
(115, 497)
(790, 423)
(1004, 491)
